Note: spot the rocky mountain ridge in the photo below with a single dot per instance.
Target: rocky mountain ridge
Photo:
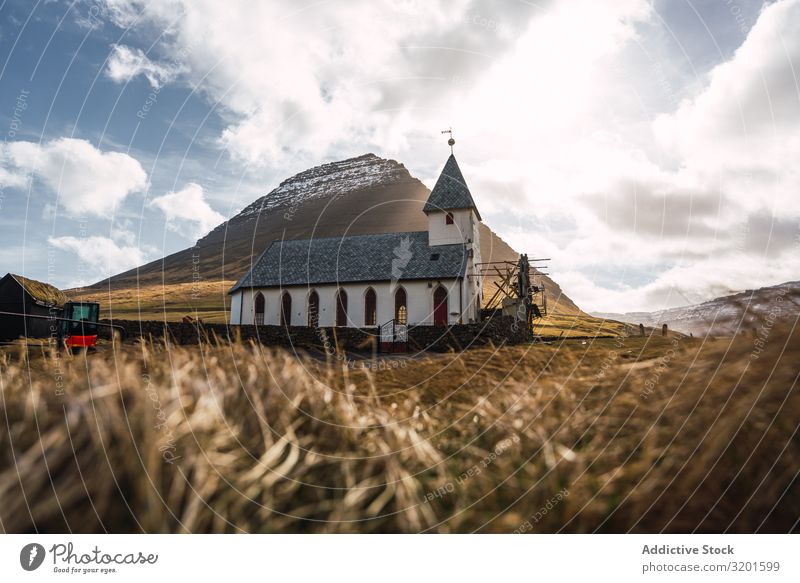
(741, 312)
(331, 179)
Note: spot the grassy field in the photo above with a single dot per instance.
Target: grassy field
(611, 435)
(207, 300)
(555, 325)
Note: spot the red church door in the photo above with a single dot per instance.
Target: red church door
(440, 307)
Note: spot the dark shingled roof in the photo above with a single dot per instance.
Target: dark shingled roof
(450, 191)
(381, 257)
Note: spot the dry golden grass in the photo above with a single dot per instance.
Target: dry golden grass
(568, 325)
(171, 302)
(654, 434)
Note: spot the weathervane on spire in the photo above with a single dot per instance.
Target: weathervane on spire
(451, 142)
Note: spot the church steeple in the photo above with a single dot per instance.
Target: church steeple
(450, 191)
(453, 217)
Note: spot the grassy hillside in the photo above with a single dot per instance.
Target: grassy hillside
(207, 300)
(567, 325)
(629, 434)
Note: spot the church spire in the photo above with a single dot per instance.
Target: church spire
(450, 191)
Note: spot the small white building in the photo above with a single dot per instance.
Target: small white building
(416, 278)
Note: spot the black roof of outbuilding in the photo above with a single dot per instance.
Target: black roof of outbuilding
(450, 191)
(358, 258)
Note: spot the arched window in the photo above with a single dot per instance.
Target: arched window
(400, 306)
(286, 309)
(341, 308)
(440, 306)
(370, 307)
(259, 309)
(313, 309)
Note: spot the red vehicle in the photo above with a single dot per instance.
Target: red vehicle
(78, 328)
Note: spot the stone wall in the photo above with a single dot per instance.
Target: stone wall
(497, 330)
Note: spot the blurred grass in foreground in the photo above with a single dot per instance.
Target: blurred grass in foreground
(635, 434)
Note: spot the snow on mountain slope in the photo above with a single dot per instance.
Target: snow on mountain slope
(737, 313)
(332, 179)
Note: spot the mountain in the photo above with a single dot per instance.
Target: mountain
(745, 311)
(362, 195)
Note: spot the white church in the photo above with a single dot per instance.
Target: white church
(418, 278)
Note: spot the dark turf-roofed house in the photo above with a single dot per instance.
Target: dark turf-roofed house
(416, 278)
(23, 295)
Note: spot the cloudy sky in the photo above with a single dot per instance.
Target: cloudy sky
(649, 147)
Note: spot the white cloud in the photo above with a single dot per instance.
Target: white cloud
(86, 180)
(9, 177)
(704, 208)
(125, 63)
(101, 257)
(305, 79)
(127, 13)
(742, 131)
(187, 211)
(387, 75)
